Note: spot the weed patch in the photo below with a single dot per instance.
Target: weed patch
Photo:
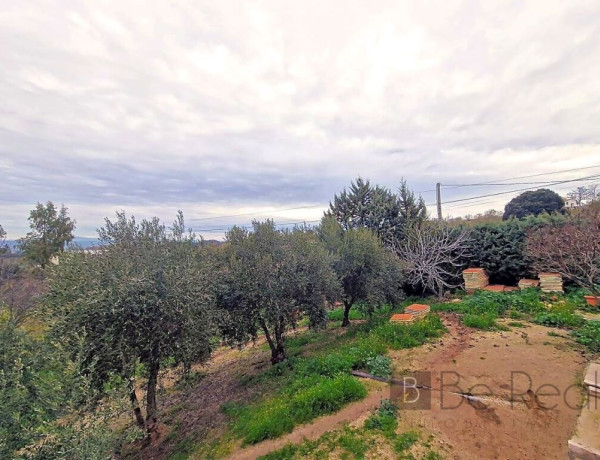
(589, 335)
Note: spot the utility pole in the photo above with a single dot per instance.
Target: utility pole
(438, 196)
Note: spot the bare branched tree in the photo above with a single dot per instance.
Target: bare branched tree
(573, 249)
(431, 255)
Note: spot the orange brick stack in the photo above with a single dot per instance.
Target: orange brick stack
(475, 278)
(417, 310)
(495, 287)
(551, 282)
(403, 318)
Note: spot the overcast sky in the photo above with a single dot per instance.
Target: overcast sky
(222, 108)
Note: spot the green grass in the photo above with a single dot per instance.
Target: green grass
(482, 309)
(484, 321)
(305, 400)
(397, 336)
(311, 386)
(356, 443)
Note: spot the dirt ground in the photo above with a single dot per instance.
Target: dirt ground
(527, 385)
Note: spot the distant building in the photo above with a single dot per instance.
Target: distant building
(570, 203)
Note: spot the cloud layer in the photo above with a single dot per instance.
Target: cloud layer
(221, 108)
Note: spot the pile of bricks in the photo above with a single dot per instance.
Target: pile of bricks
(417, 310)
(403, 318)
(411, 314)
(551, 282)
(475, 278)
(528, 283)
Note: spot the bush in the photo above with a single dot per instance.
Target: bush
(379, 365)
(589, 335)
(385, 419)
(405, 441)
(560, 315)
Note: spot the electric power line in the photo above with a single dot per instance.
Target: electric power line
(260, 212)
(595, 176)
(529, 175)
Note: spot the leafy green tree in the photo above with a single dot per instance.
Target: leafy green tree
(364, 205)
(412, 209)
(367, 271)
(146, 296)
(378, 209)
(534, 203)
(271, 278)
(51, 230)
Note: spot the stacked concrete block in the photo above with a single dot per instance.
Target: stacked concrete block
(551, 282)
(475, 278)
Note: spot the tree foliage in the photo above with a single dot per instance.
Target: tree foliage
(377, 208)
(571, 249)
(146, 296)
(534, 203)
(51, 230)
(500, 248)
(271, 278)
(367, 271)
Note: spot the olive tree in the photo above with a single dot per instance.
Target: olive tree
(145, 296)
(270, 279)
(51, 230)
(367, 271)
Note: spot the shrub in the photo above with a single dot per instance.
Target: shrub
(560, 315)
(589, 335)
(385, 419)
(379, 365)
(405, 441)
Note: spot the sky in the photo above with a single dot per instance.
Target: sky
(227, 108)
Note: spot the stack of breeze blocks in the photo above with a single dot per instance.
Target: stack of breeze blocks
(551, 282)
(411, 314)
(475, 278)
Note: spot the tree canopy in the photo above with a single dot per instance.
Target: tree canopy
(533, 202)
(367, 271)
(374, 207)
(270, 279)
(147, 295)
(51, 230)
